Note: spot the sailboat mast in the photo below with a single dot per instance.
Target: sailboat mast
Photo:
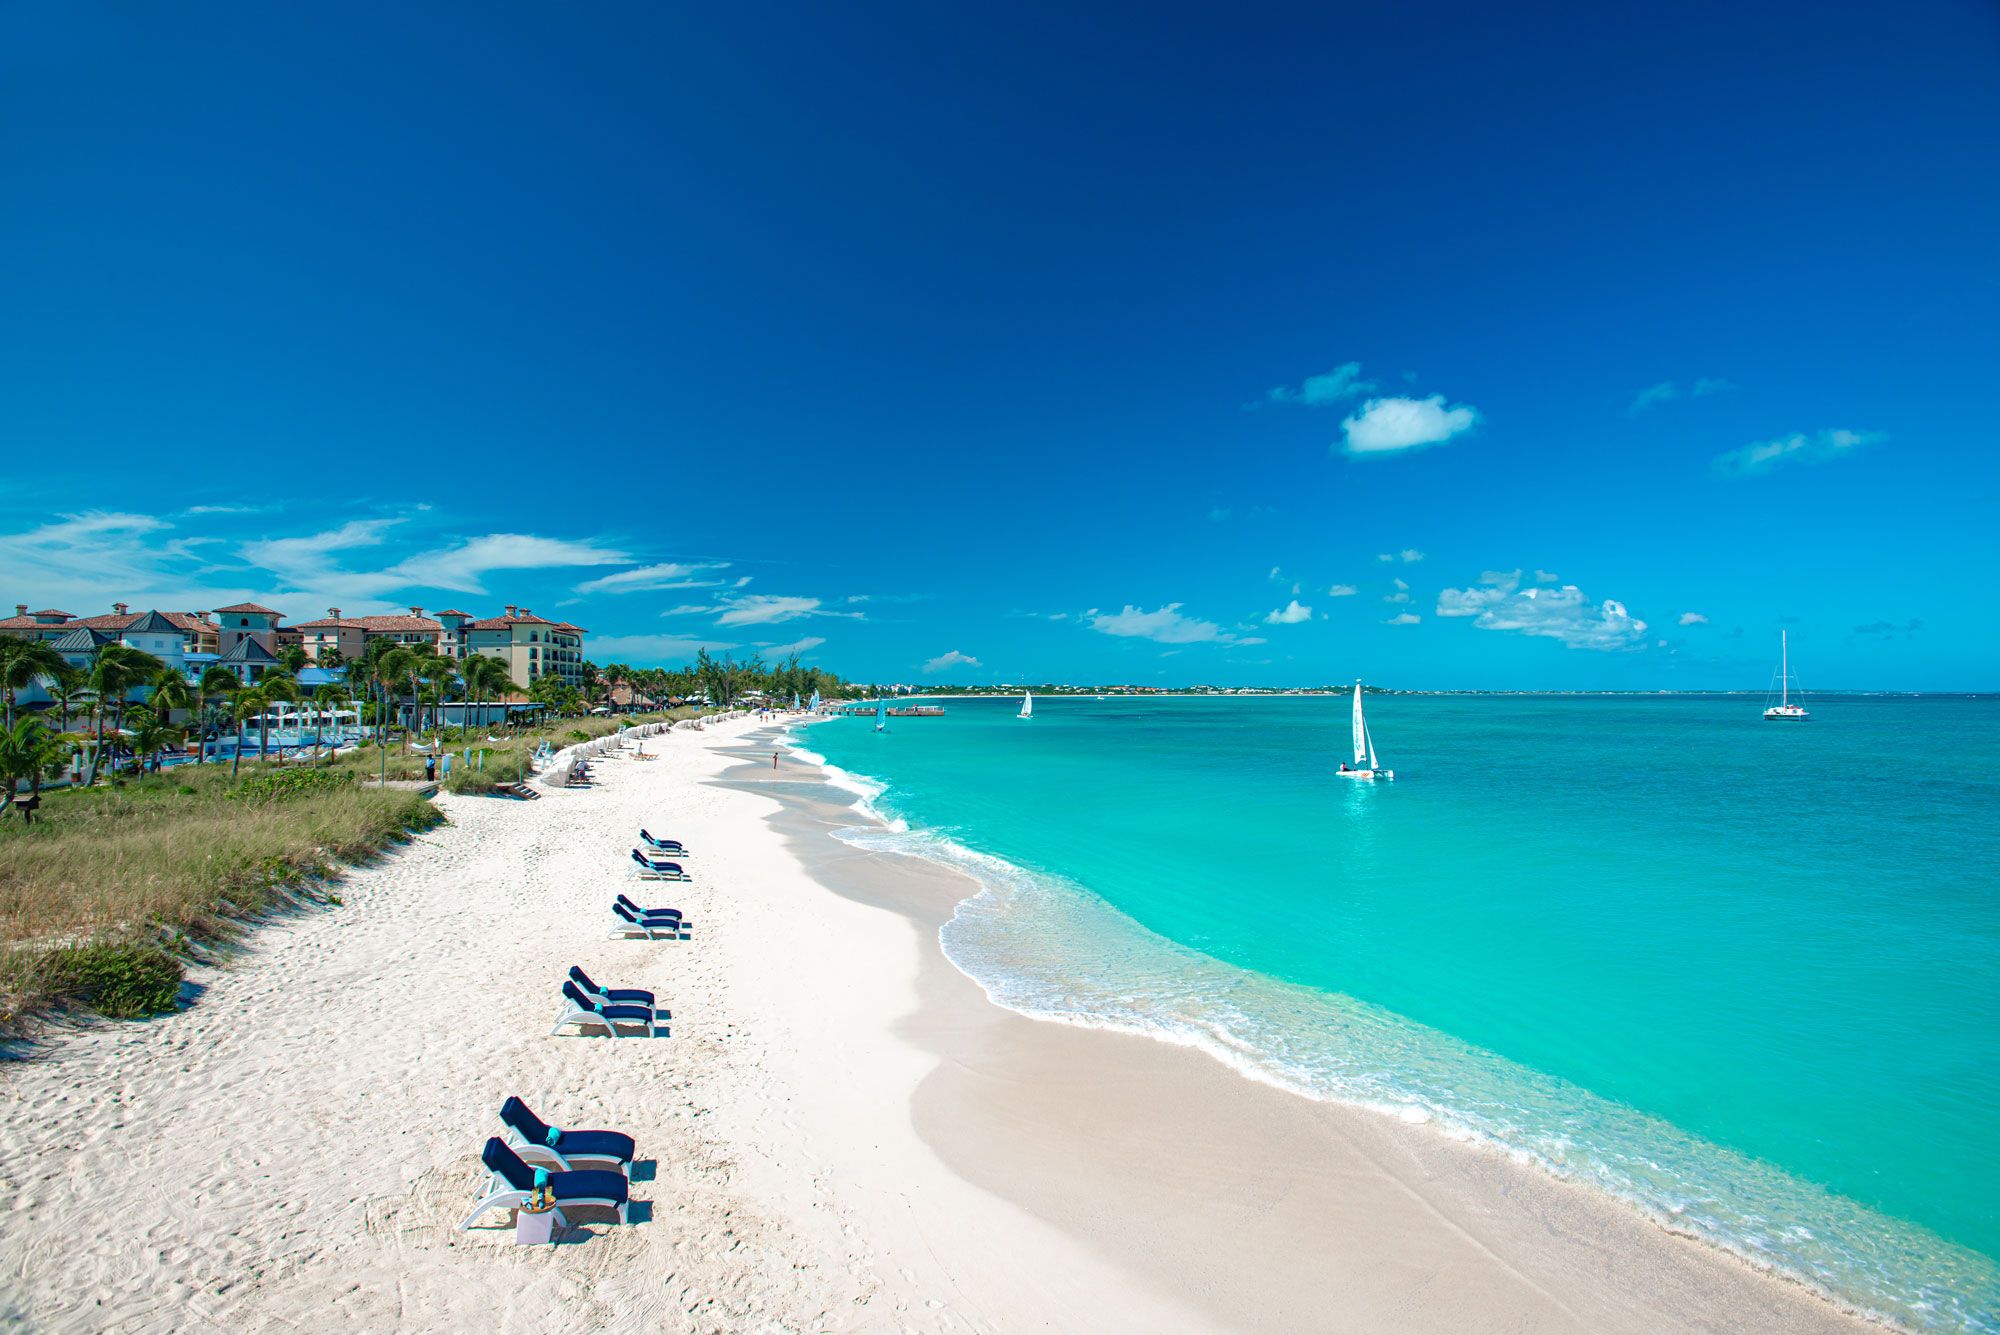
(1784, 669)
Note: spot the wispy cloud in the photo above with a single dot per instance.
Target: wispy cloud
(1165, 625)
(1813, 447)
(653, 578)
(462, 568)
(1693, 619)
(1403, 619)
(1289, 615)
(757, 609)
(1342, 591)
(1400, 594)
(1394, 426)
(805, 644)
(1343, 382)
(1498, 602)
(1407, 556)
(1886, 630)
(1547, 577)
(1218, 513)
(1652, 396)
(951, 658)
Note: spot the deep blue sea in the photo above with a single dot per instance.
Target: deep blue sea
(1743, 974)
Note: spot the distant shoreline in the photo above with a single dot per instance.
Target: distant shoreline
(1282, 692)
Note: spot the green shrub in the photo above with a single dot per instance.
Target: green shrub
(123, 981)
(279, 785)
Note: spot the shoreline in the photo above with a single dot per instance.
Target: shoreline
(1011, 1096)
(842, 1133)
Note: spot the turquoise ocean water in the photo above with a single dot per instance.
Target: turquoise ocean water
(1745, 975)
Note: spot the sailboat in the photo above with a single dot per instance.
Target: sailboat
(882, 715)
(815, 702)
(1365, 766)
(1027, 705)
(1785, 709)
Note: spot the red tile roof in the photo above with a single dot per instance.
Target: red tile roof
(574, 630)
(184, 621)
(369, 624)
(330, 623)
(453, 612)
(502, 623)
(251, 607)
(51, 612)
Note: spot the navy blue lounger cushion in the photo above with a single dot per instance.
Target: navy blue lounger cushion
(616, 1144)
(583, 1184)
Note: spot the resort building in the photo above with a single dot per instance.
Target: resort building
(530, 645)
(26, 625)
(249, 639)
(200, 634)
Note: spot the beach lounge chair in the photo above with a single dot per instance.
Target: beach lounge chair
(588, 1013)
(623, 996)
(649, 870)
(511, 1181)
(663, 925)
(563, 1151)
(639, 910)
(671, 847)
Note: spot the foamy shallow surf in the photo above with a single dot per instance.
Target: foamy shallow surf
(1051, 950)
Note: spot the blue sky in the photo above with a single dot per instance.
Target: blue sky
(1585, 348)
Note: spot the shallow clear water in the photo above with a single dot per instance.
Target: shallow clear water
(1745, 974)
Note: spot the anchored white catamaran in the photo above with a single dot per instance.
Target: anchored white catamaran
(1785, 709)
(1365, 765)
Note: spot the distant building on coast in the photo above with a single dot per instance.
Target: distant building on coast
(249, 639)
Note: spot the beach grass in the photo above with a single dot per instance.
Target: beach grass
(104, 896)
(110, 887)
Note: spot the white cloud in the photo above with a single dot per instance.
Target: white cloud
(1289, 615)
(1498, 602)
(1816, 447)
(1667, 391)
(950, 659)
(1341, 383)
(647, 579)
(1390, 426)
(1277, 576)
(757, 609)
(1342, 591)
(1693, 619)
(1219, 513)
(1166, 625)
(1401, 595)
(802, 645)
(1411, 554)
(462, 568)
(1403, 619)
(1547, 577)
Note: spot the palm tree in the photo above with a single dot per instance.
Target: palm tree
(278, 687)
(67, 690)
(26, 749)
(293, 658)
(170, 692)
(152, 734)
(114, 672)
(325, 700)
(389, 668)
(246, 704)
(216, 681)
(21, 661)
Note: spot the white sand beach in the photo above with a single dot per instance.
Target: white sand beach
(840, 1134)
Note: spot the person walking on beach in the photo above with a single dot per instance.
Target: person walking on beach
(430, 769)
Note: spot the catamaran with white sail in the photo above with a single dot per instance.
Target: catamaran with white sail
(882, 714)
(1365, 765)
(1785, 709)
(1027, 705)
